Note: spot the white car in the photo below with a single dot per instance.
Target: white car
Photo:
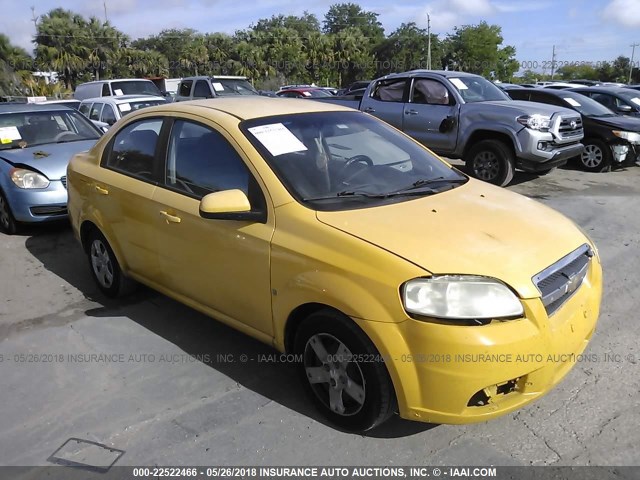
(105, 111)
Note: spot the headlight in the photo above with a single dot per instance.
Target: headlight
(631, 137)
(28, 179)
(535, 122)
(460, 297)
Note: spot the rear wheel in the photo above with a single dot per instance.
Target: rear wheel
(8, 223)
(492, 161)
(596, 156)
(105, 268)
(343, 373)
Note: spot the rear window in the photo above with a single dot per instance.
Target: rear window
(232, 86)
(185, 88)
(135, 87)
(129, 107)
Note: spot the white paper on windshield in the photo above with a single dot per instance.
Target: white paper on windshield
(572, 102)
(458, 83)
(125, 107)
(218, 87)
(278, 139)
(117, 91)
(342, 125)
(636, 100)
(9, 134)
(306, 94)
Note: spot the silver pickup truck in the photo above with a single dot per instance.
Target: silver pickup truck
(461, 115)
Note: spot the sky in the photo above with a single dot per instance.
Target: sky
(581, 30)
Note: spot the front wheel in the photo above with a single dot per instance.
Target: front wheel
(105, 268)
(8, 223)
(492, 161)
(343, 373)
(596, 156)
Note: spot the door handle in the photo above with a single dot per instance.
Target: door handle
(102, 191)
(369, 110)
(170, 218)
(411, 112)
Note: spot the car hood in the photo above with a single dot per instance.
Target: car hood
(475, 229)
(50, 159)
(521, 107)
(619, 122)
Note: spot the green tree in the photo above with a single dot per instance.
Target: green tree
(13, 61)
(406, 49)
(353, 56)
(343, 16)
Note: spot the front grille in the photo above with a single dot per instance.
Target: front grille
(570, 127)
(64, 181)
(561, 280)
(49, 210)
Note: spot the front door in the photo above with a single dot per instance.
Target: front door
(222, 265)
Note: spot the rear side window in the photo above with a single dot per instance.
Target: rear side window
(200, 161)
(108, 115)
(185, 88)
(106, 92)
(133, 151)
(202, 90)
(390, 90)
(95, 111)
(85, 108)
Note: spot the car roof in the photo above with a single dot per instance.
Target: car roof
(245, 108)
(612, 90)
(214, 77)
(32, 107)
(117, 99)
(116, 80)
(564, 92)
(442, 73)
(300, 89)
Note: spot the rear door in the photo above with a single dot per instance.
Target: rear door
(430, 115)
(387, 100)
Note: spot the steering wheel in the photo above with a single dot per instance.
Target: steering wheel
(363, 160)
(61, 135)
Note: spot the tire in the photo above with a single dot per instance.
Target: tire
(596, 157)
(353, 394)
(105, 268)
(8, 223)
(492, 161)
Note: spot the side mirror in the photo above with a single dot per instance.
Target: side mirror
(624, 109)
(229, 205)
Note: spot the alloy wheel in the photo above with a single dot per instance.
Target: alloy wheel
(592, 156)
(101, 263)
(486, 165)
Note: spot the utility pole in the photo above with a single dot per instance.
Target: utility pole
(428, 42)
(633, 51)
(34, 18)
(106, 18)
(553, 62)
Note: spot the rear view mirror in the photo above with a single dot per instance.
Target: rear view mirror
(624, 109)
(225, 205)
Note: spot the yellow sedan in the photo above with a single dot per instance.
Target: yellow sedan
(396, 282)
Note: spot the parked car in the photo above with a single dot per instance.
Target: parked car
(623, 101)
(359, 85)
(561, 85)
(462, 115)
(589, 83)
(328, 234)
(192, 88)
(105, 111)
(506, 86)
(609, 139)
(116, 87)
(633, 87)
(36, 144)
(71, 103)
(304, 92)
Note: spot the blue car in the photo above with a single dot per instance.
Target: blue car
(36, 144)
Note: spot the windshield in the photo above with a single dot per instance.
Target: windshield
(477, 89)
(587, 106)
(232, 86)
(316, 93)
(135, 87)
(631, 96)
(27, 129)
(345, 160)
(137, 105)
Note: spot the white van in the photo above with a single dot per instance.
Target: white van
(122, 86)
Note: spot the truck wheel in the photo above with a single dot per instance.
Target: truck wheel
(491, 161)
(596, 156)
(355, 395)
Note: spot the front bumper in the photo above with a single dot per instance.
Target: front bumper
(41, 205)
(460, 374)
(541, 151)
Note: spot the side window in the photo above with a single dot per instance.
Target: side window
(85, 108)
(430, 92)
(134, 147)
(548, 99)
(606, 100)
(106, 91)
(390, 90)
(200, 161)
(108, 114)
(185, 88)
(202, 90)
(95, 111)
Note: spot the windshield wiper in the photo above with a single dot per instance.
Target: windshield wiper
(423, 182)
